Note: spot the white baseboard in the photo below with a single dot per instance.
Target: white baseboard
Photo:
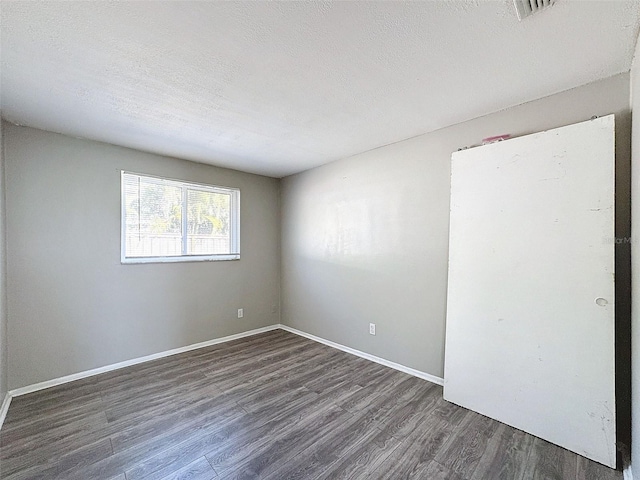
(368, 356)
(97, 371)
(108, 368)
(4, 408)
(627, 472)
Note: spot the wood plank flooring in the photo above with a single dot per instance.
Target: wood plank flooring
(274, 406)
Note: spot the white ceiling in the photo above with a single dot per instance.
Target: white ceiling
(277, 88)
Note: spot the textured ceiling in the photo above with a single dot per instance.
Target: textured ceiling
(277, 88)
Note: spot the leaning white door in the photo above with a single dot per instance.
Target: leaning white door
(530, 307)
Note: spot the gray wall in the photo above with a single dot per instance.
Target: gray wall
(72, 306)
(635, 281)
(365, 239)
(3, 278)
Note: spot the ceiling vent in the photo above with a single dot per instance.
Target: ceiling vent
(525, 8)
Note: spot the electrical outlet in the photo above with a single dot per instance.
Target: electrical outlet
(240, 312)
(372, 328)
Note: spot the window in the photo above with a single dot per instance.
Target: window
(171, 221)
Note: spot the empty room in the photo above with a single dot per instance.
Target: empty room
(320, 240)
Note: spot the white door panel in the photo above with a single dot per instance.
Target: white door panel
(530, 308)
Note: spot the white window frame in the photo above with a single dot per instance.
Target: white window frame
(234, 218)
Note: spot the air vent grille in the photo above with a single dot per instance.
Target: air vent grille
(525, 8)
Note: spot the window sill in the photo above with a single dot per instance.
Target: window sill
(179, 259)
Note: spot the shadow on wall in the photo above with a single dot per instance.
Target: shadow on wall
(623, 281)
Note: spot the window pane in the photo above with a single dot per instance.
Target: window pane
(153, 218)
(167, 220)
(208, 223)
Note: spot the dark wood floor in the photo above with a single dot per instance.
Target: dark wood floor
(274, 406)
